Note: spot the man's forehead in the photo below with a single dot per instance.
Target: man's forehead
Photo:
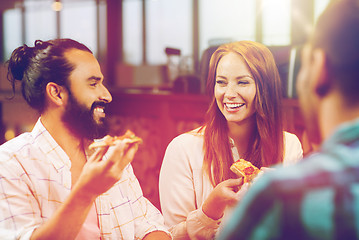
(74, 54)
(84, 63)
(80, 57)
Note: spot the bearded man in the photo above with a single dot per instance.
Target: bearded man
(52, 185)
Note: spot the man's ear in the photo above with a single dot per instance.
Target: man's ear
(56, 93)
(323, 82)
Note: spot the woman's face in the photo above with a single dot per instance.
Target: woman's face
(235, 89)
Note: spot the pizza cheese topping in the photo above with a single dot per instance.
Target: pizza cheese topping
(245, 169)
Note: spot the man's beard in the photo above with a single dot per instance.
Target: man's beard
(80, 120)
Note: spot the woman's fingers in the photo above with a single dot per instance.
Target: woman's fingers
(242, 191)
(266, 169)
(234, 183)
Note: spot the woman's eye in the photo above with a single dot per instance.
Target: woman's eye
(243, 82)
(220, 82)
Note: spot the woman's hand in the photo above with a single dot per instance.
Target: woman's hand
(266, 169)
(223, 195)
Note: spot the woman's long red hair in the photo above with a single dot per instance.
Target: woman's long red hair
(267, 147)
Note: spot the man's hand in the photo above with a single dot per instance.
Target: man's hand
(97, 176)
(100, 174)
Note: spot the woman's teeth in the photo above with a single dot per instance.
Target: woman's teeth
(234, 105)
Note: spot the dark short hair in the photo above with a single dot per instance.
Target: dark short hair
(337, 33)
(36, 66)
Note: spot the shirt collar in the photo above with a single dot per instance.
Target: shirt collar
(346, 133)
(47, 144)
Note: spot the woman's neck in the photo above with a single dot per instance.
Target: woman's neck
(242, 135)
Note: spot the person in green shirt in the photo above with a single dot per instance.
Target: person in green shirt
(318, 198)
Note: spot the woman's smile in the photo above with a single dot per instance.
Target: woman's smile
(235, 88)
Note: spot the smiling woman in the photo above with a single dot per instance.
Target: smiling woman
(244, 120)
(252, 79)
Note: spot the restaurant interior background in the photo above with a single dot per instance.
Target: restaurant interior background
(154, 55)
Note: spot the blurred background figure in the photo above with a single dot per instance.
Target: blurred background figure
(316, 198)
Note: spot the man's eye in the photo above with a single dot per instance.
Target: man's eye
(93, 84)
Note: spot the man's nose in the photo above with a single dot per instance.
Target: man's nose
(105, 95)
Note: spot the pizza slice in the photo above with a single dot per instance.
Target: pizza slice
(128, 137)
(245, 169)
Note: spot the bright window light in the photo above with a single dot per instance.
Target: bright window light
(12, 31)
(168, 24)
(276, 22)
(319, 6)
(226, 20)
(78, 21)
(132, 31)
(40, 21)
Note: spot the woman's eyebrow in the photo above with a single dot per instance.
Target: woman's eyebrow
(244, 76)
(238, 77)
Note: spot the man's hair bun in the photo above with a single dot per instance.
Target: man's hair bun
(19, 61)
(36, 66)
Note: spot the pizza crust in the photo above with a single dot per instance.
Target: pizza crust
(129, 137)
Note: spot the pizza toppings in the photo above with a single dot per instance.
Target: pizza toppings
(128, 137)
(245, 169)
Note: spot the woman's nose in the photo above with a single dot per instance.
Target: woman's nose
(231, 91)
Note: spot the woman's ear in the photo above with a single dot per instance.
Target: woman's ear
(321, 72)
(56, 93)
